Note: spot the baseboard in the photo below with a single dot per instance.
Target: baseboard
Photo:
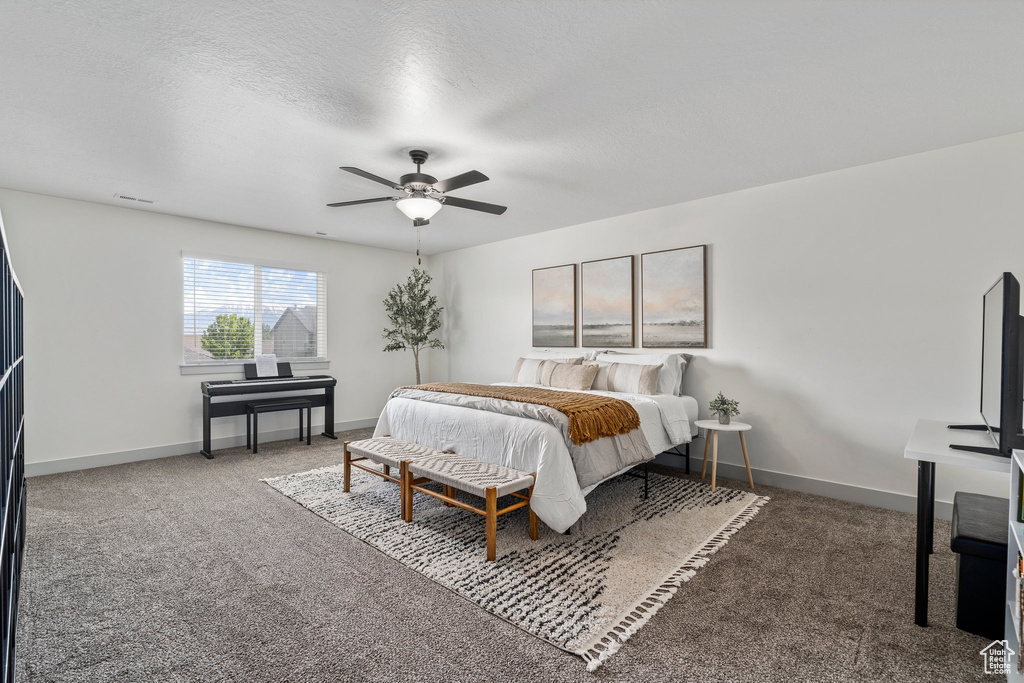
(84, 462)
(890, 500)
(829, 489)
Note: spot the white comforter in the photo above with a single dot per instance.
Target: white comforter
(530, 445)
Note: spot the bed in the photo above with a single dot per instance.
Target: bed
(478, 428)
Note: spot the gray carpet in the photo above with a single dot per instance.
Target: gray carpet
(186, 569)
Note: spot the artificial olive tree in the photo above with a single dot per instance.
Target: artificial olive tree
(414, 316)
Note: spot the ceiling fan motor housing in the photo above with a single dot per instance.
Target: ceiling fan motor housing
(417, 181)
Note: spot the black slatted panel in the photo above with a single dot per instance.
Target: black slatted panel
(12, 450)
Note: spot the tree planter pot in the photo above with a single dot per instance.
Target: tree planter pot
(724, 419)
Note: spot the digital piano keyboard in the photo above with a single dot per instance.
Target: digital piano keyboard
(225, 398)
(229, 387)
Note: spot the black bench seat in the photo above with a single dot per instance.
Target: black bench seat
(253, 410)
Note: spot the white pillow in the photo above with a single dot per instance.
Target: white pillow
(528, 370)
(568, 376)
(673, 365)
(629, 378)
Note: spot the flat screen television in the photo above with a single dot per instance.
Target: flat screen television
(1002, 372)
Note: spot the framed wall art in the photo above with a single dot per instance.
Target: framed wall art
(674, 298)
(554, 306)
(608, 303)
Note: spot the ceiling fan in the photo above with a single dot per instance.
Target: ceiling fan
(424, 194)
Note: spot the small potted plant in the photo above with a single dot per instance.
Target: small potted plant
(724, 408)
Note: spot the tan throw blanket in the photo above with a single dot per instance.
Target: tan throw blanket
(590, 417)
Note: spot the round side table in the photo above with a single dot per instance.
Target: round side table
(713, 427)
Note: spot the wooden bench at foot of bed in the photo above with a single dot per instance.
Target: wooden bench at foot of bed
(419, 465)
(482, 479)
(388, 452)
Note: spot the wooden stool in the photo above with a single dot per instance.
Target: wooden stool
(713, 427)
(388, 452)
(483, 479)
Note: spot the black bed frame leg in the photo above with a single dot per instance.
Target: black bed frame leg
(646, 481)
(687, 456)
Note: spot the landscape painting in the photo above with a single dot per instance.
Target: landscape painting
(674, 298)
(608, 303)
(554, 306)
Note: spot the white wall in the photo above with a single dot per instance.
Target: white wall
(842, 306)
(103, 316)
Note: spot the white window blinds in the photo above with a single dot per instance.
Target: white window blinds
(235, 310)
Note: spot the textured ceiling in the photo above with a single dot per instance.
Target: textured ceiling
(242, 112)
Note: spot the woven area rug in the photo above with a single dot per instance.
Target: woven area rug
(586, 592)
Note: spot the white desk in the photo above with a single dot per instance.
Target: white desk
(929, 444)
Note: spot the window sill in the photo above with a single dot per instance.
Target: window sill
(237, 368)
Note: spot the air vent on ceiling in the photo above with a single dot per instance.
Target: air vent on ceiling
(118, 195)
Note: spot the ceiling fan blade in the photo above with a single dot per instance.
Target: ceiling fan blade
(461, 180)
(365, 201)
(369, 176)
(418, 223)
(475, 206)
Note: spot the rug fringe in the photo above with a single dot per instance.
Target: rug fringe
(602, 648)
(318, 470)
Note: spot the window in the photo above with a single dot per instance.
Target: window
(234, 310)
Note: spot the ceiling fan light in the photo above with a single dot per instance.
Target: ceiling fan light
(418, 208)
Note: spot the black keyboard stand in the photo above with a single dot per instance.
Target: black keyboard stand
(237, 406)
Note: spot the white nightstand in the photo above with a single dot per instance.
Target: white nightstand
(713, 427)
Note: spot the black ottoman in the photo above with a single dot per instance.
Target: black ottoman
(979, 538)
